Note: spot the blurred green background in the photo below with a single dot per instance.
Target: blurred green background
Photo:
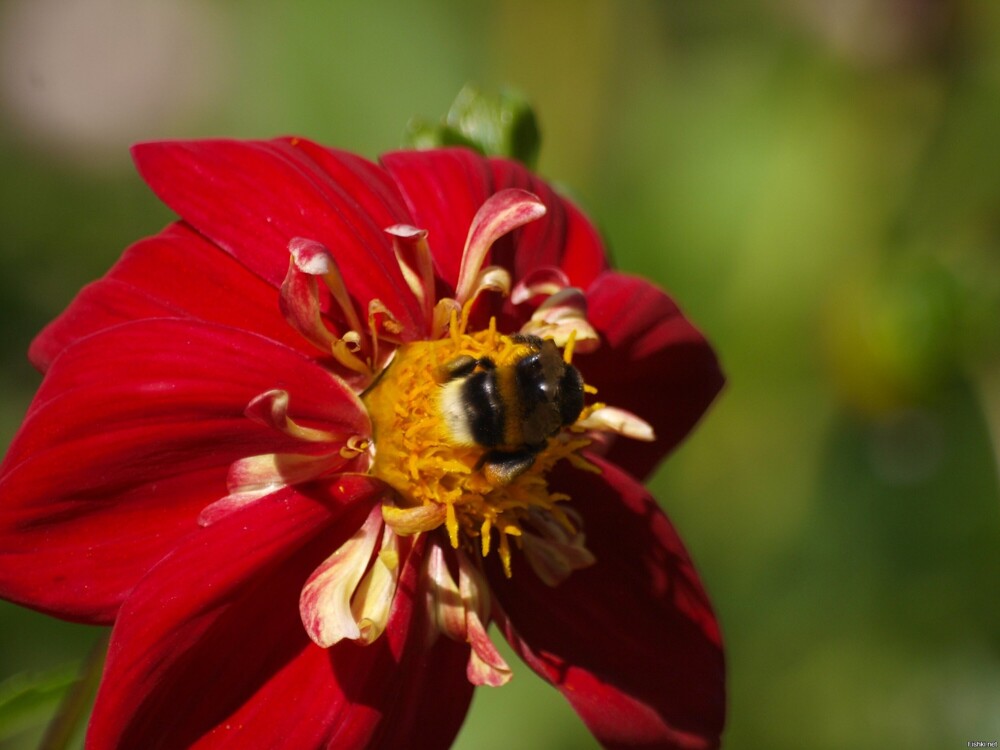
(817, 182)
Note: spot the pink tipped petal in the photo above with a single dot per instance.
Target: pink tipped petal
(409, 521)
(444, 599)
(652, 362)
(564, 239)
(631, 641)
(252, 478)
(325, 602)
(540, 283)
(301, 305)
(416, 262)
(554, 553)
(500, 215)
(486, 666)
(271, 410)
(177, 273)
(459, 611)
(311, 257)
(253, 197)
(445, 188)
(130, 436)
(221, 612)
(274, 470)
(374, 596)
(618, 421)
(229, 622)
(492, 279)
(563, 318)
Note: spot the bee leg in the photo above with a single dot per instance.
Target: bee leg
(503, 468)
(462, 366)
(456, 368)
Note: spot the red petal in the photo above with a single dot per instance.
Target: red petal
(222, 612)
(253, 197)
(130, 435)
(444, 189)
(631, 641)
(564, 239)
(177, 273)
(652, 361)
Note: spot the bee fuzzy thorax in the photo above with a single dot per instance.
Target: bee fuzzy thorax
(510, 405)
(466, 429)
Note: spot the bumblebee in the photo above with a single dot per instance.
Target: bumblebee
(510, 409)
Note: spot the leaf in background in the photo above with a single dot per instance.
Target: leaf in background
(28, 699)
(502, 124)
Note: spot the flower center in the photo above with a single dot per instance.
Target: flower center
(467, 427)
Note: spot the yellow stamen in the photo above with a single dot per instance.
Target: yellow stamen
(438, 476)
(568, 350)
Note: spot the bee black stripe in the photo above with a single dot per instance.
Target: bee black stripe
(484, 408)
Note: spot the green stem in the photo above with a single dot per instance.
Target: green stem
(75, 705)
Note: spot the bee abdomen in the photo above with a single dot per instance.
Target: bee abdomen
(486, 414)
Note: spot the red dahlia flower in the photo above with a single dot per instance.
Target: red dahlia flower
(302, 447)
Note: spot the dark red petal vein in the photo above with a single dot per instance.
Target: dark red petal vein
(177, 273)
(253, 197)
(563, 239)
(222, 612)
(631, 641)
(652, 361)
(443, 190)
(130, 435)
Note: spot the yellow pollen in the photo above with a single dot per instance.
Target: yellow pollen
(416, 452)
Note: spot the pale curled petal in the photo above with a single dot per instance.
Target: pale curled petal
(311, 257)
(490, 279)
(413, 254)
(273, 470)
(540, 282)
(230, 504)
(379, 313)
(553, 561)
(271, 409)
(555, 545)
(563, 317)
(444, 600)
(486, 666)
(459, 611)
(343, 350)
(299, 303)
(443, 312)
(325, 602)
(562, 332)
(406, 232)
(373, 597)
(493, 279)
(409, 521)
(503, 212)
(473, 587)
(255, 477)
(618, 421)
(314, 259)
